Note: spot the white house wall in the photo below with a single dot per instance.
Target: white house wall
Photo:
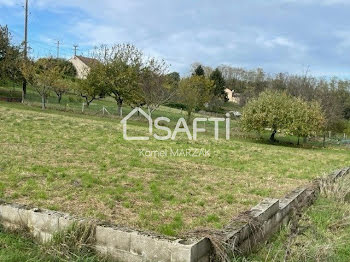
(82, 69)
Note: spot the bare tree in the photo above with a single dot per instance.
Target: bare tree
(155, 84)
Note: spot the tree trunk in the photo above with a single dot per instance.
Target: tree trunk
(24, 90)
(324, 140)
(120, 107)
(298, 141)
(59, 98)
(189, 114)
(43, 102)
(272, 137)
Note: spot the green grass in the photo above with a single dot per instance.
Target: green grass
(79, 163)
(16, 247)
(321, 234)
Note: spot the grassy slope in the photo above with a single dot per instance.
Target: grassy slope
(81, 164)
(322, 234)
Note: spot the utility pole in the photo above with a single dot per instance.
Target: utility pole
(24, 89)
(75, 50)
(58, 49)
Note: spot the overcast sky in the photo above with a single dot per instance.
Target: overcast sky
(277, 35)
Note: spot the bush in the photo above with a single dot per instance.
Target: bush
(10, 93)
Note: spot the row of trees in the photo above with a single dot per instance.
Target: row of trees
(124, 73)
(332, 94)
(48, 75)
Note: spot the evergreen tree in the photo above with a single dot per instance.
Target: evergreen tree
(218, 79)
(199, 71)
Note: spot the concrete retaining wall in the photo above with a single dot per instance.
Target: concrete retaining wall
(123, 245)
(133, 246)
(266, 218)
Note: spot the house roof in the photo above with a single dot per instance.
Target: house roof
(87, 60)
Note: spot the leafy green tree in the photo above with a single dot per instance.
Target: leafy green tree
(62, 86)
(219, 81)
(41, 79)
(307, 119)
(268, 111)
(122, 65)
(279, 111)
(94, 86)
(10, 57)
(66, 67)
(67, 74)
(194, 92)
(174, 78)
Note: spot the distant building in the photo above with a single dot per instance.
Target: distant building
(82, 65)
(232, 96)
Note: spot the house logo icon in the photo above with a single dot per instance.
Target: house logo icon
(125, 127)
(181, 127)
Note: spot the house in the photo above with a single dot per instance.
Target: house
(232, 96)
(82, 65)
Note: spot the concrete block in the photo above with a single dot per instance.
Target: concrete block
(291, 200)
(152, 249)
(120, 255)
(64, 222)
(201, 250)
(43, 221)
(266, 209)
(181, 253)
(14, 215)
(113, 238)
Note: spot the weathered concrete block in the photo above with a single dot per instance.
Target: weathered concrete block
(120, 255)
(14, 215)
(181, 253)
(113, 238)
(43, 221)
(258, 214)
(266, 209)
(64, 222)
(151, 248)
(201, 250)
(291, 200)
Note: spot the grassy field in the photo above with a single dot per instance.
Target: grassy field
(79, 163)
(322, 233)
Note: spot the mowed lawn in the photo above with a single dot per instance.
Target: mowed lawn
(81, 165)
